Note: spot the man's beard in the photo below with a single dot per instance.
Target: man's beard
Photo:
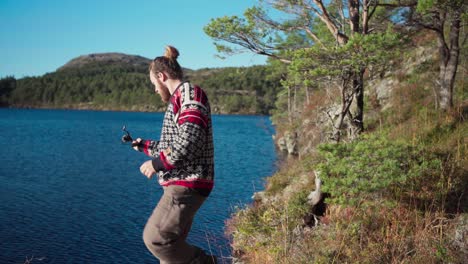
(164, 92)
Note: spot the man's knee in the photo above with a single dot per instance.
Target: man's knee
(147, 237)
(158, 241)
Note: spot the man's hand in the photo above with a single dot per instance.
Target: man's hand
(136, 144)
(147, 169)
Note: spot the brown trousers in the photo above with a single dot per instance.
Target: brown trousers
(167, 228)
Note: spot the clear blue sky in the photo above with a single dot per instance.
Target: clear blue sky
(39, 36)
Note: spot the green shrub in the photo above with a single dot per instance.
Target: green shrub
(297, 205)
(373, 167)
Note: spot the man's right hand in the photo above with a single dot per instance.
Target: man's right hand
(136, 144)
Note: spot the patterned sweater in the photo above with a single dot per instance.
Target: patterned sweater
(184, 154)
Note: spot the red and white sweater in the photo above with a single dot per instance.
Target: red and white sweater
(184, 154)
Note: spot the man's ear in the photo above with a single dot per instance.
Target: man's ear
(162, 76)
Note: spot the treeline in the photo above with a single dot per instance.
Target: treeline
(117, 86)
(239, 90)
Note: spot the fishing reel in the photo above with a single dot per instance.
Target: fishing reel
(126, 137)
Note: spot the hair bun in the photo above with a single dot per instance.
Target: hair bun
(171, 53)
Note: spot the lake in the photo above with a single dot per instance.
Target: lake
(71, 192)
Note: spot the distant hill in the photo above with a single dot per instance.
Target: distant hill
(106, 58)
(117, 81)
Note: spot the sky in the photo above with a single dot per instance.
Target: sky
(39, 36)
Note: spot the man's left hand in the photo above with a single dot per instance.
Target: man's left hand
(147, 169)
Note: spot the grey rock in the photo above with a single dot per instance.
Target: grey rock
(291, 143)
(281, 143)
(288, 143)
(315, 196)
(460, 239)
(259, 197)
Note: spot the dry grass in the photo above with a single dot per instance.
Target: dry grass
(417, 228)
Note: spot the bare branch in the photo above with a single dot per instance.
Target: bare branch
(325, 17)
(314, 37)
(272, 55)
(245, 41)
(373, 9)
(305, 26)
(436, 24)
(400, 3)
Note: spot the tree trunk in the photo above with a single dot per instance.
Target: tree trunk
(295, 101)
(353, 6)
(347, 98)
(289, 105)
(352, 88)
(357, 113)
(448, 63)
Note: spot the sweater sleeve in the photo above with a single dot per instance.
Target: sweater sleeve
(149, 147)
(192, 132)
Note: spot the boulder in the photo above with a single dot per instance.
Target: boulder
(288, 143)
(460, 238)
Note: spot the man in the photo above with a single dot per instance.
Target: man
(183, 160)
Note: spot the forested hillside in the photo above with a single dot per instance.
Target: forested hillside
(120, 82)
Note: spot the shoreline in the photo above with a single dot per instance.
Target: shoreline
(144, 109)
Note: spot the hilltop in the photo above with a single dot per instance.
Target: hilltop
(106, 59)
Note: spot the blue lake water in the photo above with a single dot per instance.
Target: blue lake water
(71, 192)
